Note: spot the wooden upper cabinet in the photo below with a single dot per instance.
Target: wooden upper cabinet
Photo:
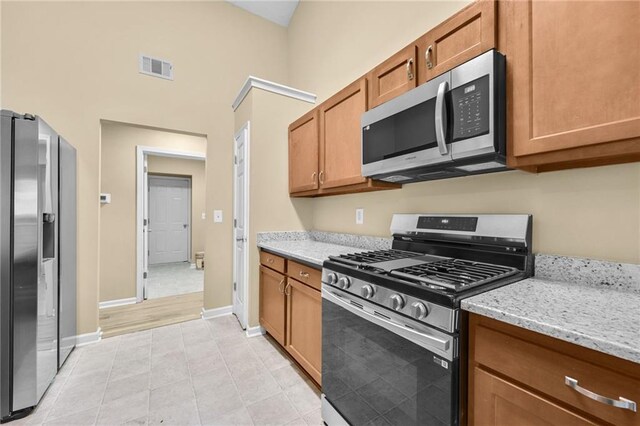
(394, 76)
(340, 136)
(574, 79)
(303, 153)
(462, 37)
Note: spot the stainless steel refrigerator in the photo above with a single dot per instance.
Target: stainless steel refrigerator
(37, 259)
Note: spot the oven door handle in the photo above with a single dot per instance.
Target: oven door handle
(440, 346)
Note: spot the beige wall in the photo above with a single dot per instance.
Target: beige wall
(591, 212)
(195, 169)
(118, 219)
(271, 207)
(81, 66)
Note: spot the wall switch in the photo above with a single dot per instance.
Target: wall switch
(217, 216)
(204, 215)
(359, 216)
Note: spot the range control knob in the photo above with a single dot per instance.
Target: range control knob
(344, 283)
(397, 302)
(332, 278)
(367, 291)
(419, 310)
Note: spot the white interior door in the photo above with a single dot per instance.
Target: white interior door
(240, 258)
(169, 219)
(145, 227)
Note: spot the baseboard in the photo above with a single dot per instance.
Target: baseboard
(117, 302)
(216, 312)
(89, 338)
(255, 331)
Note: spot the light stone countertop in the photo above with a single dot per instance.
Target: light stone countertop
(309, 251)
(596, 317)
(314, 247)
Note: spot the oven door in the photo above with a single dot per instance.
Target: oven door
(379, 367)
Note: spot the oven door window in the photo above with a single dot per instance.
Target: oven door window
(373, 376)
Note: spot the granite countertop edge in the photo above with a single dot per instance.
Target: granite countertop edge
(552, 326)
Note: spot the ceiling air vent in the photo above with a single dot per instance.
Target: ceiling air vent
(156, 67)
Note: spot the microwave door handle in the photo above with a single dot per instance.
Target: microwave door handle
(441, 118)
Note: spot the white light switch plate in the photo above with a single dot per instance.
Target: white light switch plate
(204, 215)
(217, 216)
(359, 216)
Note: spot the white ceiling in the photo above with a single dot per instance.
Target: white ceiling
(278, 11)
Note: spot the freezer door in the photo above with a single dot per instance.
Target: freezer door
(67, 251)
(6, 142)
(25, 263)
(47, 330)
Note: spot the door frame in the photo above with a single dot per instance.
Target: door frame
(189, 180)
(246, 129)
(141, 229)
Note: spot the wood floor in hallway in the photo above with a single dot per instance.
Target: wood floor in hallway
(151, 313)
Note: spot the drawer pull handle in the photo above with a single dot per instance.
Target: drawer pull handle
(410, 69)
(619, 403)
(427, 56)
(304, 274)
(269, 260)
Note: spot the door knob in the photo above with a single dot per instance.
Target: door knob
(185, 226)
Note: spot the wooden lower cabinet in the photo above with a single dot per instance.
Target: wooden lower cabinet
(304, 327)
(500, 402)
(272, 303)
(519, 377)
(291, 310)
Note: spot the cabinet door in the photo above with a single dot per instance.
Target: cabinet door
(574, 74)
(464, 36)
(340, 136)
(394, 76)
(499, 402)
(303, 153)
(304, 327)
(272, 303)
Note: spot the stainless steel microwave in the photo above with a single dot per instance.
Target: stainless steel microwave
(452, 125)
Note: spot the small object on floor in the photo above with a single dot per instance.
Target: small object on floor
(200, 260)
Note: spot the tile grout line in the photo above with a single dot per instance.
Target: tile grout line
(233, 381)
(193, 390)
(104, 393)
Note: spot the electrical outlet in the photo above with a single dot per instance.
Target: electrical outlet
(217, 216)
(359, 216)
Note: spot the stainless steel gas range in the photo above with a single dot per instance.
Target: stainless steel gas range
(393, 334)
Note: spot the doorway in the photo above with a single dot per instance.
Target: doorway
(151, 180)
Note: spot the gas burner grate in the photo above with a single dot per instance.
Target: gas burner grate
(454, 274)
(367, 257)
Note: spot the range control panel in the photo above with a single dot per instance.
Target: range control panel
(470, 104)
(448, 223)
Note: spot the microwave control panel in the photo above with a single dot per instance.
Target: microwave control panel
(470, 105)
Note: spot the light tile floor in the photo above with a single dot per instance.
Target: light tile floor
(203, 372)
(172, 279)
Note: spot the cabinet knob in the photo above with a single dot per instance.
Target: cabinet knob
(427, 56)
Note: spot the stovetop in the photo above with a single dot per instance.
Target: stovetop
(439, 259)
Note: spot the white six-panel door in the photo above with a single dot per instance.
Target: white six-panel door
(241, 222)
(169, 219)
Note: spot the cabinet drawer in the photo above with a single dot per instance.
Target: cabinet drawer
(305, 274)
(272, 261)
(545, 370)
